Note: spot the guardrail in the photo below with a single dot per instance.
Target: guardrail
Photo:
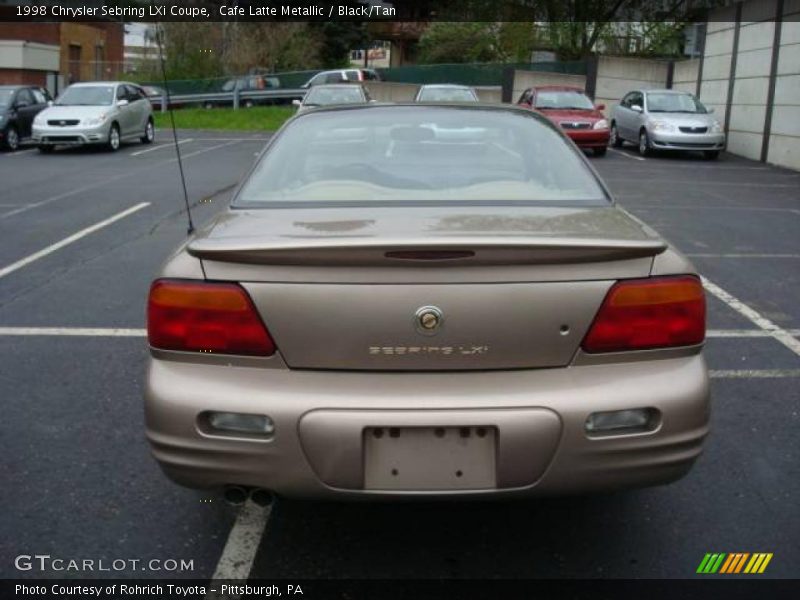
(235, 98)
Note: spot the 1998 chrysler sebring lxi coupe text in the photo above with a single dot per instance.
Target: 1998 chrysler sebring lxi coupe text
(429, 300)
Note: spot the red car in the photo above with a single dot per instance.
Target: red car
(572, 110)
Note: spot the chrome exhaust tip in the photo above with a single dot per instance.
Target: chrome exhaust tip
(235, 495)
(262, 497)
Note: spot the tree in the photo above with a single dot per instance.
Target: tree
(446, 42)
(271, 46)
(573, 29)
(336, 40)
(192, 49)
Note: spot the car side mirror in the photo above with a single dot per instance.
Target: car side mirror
(711, 111)
(297, 102)
(600, 107)
(122, 102)
(637, 108)
(50, 103)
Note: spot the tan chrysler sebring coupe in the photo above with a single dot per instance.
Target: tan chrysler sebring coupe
(425, 300)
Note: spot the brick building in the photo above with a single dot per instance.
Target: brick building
(54, 55)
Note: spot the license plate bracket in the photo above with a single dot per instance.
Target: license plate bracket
(430, 458)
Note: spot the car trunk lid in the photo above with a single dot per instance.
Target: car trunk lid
(348, 289)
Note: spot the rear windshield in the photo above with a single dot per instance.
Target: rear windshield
(440, 94)
(324, 96)
(421, 155)
(563, 99)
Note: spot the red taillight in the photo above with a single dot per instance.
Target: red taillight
(196, 316)
(640, 314)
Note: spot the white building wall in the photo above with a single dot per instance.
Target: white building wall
(751, 83)
(616, 76)
(684, 77)
(749, 103)
(784, 140)
(717, 61)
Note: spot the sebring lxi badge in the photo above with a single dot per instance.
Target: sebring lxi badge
(428, 320)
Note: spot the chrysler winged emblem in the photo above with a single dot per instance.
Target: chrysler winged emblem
(428, 320)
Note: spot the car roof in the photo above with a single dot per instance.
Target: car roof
(355, 84)
(665, 91)
(14, 87)
(97, 83)
(445, 85)
(571, 88)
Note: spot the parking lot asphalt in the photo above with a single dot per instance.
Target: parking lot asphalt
(82, 232)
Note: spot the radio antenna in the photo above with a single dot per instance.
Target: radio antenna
(165, 98)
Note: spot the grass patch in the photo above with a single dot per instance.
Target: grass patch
(257, 118)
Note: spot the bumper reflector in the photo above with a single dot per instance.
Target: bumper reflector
(636, 420)
(241, 423)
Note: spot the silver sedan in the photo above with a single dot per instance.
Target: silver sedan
(666, 120)
(332, 95)
(104, 113)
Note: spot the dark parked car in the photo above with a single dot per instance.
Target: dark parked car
(18, 107)
(250, 83)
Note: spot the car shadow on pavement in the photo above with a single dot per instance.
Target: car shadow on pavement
(559, 537)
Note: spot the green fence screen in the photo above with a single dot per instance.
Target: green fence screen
(475, 74)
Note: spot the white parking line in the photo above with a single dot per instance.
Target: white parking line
(169, 145)
(20, 152)
(745, 333)
(743, 255)
(242, 545)
(233, 139)
(754, 373)
(68, 240)
(74, 331)
(90, 186)
(783, 336)
(645, 206)
(209, 149)
(698, 182)
(626, 155)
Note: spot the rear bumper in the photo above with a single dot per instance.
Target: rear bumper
(589, 138)
(319, 417)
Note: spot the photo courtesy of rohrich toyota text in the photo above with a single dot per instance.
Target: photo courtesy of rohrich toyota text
(399, 299)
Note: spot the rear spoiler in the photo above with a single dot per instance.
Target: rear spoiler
(460, 251)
